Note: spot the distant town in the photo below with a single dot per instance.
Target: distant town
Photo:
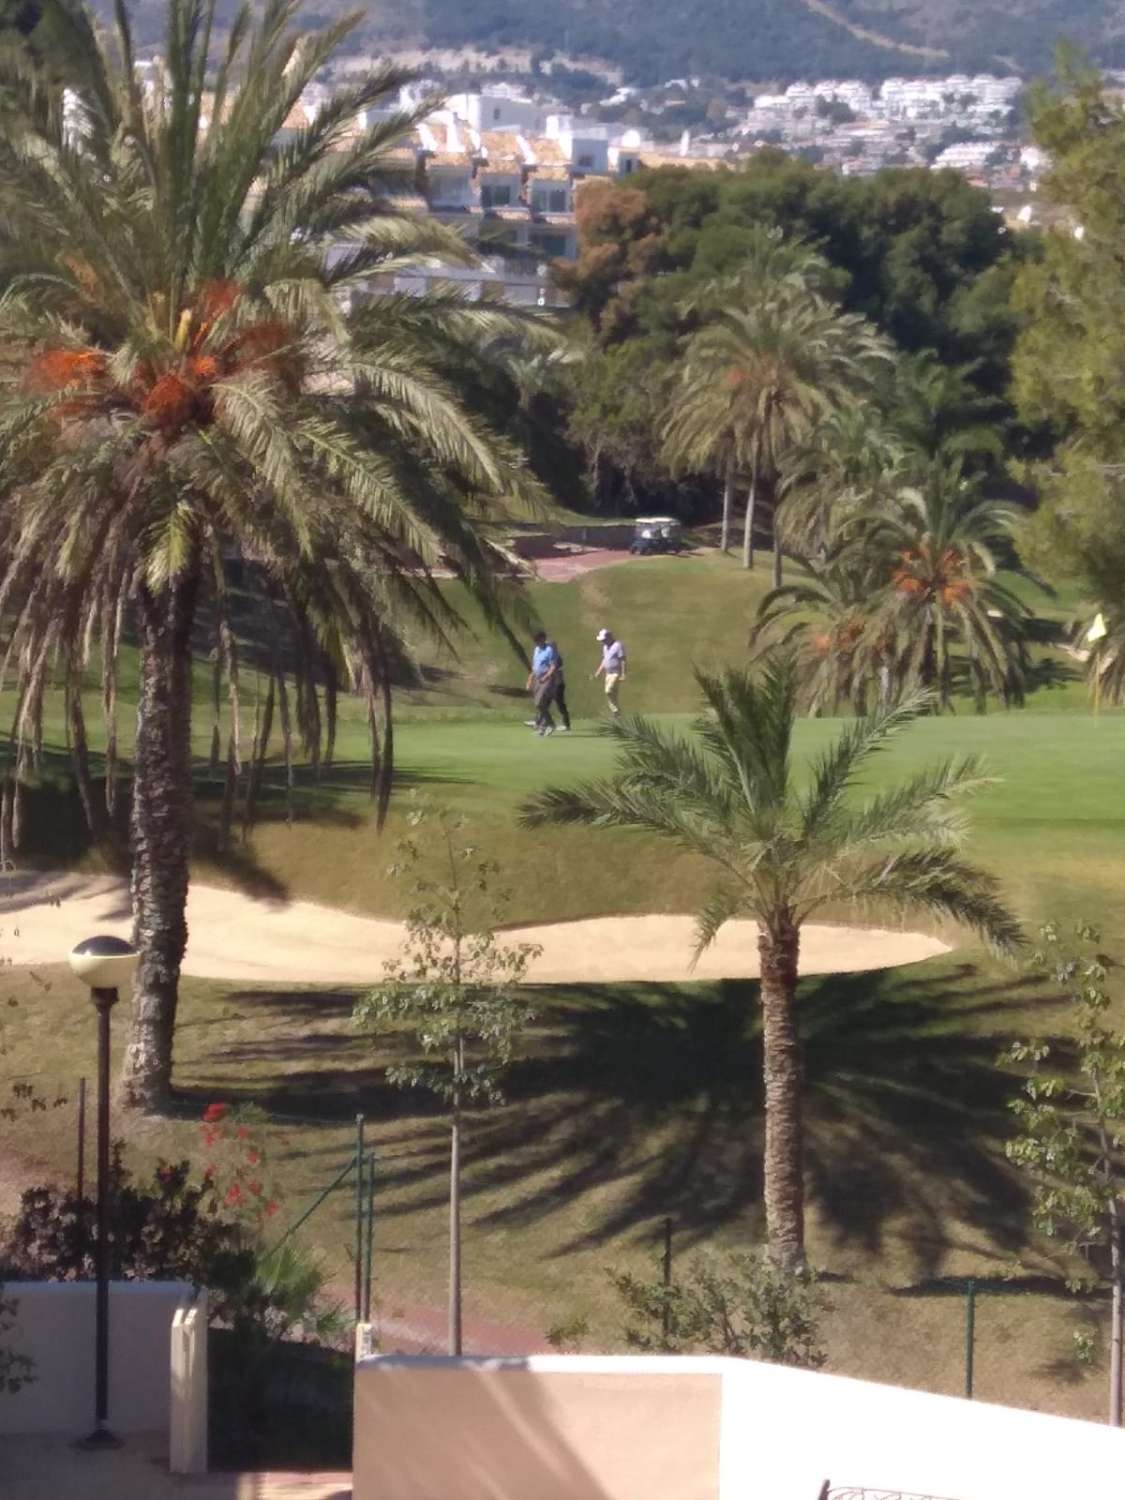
(506, 158)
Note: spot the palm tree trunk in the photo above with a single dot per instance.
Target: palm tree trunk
(80, 756)
(728, 501)
(160, 835)
(776, 556)
(748, 528)
(784, 1194)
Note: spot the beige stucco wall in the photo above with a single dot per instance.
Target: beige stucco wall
(521, 1430)
(55, 1325)
(556, 1427)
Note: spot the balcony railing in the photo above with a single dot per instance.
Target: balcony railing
(862, 1492)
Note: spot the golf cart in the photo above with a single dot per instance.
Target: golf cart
(653, 535)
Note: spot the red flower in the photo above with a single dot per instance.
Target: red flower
(270, 1209)
(215, 1112)
(242, 1132)
(253, 1156)
(255, 1188)
(234, 1195)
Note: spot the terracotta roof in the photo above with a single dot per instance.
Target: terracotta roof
(674, 159)
(548, 153)
(502, 150)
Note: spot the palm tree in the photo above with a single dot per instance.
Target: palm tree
(194, 366)
(830, 616)
(756, 381)
(946, 542)
(836, 476)
(781, 852)
(936, 410)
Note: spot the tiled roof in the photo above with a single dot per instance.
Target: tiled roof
(502, 150)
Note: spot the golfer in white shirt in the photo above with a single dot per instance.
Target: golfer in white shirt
(612, 668)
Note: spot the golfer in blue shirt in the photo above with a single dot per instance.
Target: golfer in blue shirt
(547, 685)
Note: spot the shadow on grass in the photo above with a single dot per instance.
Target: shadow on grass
(650, 1097)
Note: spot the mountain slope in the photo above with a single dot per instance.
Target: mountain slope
(782, 39)
(760, 40)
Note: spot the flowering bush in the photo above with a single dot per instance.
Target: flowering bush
(237, 1171)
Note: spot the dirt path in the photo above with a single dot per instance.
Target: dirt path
(235, 936)
(563, 568)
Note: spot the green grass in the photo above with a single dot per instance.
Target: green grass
(637, 1101)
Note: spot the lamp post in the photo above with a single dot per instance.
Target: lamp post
(103, 964)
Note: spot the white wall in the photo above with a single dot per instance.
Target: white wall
(559, 1427)
(54, 1324)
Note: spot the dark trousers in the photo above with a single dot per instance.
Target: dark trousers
(544, 697)
(560, 699)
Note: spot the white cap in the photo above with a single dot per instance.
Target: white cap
(602, 635)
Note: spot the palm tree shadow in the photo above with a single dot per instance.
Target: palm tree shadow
(643, 1101)
(656, 1092)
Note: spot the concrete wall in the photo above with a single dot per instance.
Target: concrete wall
(632, 1428)
(546, 1428)
(187, 1439)
(55, 1325)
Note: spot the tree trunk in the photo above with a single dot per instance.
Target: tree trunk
(160, 829)
(80, 756)
(748, 529)
(728, 501)
(776, 556)
(784, 1087)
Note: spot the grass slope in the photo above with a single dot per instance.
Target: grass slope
(638, 1101)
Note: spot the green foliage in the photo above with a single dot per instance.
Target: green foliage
(1072, 342)
(909, 597)
(741, 1303)
(1071, 1111)
(456, 988)
(919, 255)
(165, 1228)
(728, 794)
(773, 359)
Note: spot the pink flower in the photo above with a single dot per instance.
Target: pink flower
(234, 1195)
(215, 1112)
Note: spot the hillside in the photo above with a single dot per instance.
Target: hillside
(751, 39)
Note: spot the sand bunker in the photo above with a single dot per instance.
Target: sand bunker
(234, 936)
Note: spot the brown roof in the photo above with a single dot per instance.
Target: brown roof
(548, 153)
(502, 149)
(550, 174)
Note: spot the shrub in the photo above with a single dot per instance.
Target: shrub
(744, 1304)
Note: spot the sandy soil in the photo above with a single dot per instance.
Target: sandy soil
(234, 936)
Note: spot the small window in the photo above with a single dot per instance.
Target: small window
(550, 200)
(496, 112)
(627, 164)
(586, 160)
(550, 244)
(495, 195)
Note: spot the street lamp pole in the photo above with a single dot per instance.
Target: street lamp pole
(102, 963)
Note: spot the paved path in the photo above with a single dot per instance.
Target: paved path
(42, 1468)
(563, 568)
(237, 937)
